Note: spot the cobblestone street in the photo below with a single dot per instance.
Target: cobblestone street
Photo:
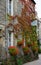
(36, 62)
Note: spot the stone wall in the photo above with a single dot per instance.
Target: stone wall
(2, 11)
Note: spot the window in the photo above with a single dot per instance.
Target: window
(10, 7)
(9, 38)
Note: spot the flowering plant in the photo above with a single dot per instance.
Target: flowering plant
(29, 44)
(20, 42)
(13, 50)
(26, 49)
(34, 48)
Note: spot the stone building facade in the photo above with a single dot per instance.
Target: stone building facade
(2, 26)
(13, 8)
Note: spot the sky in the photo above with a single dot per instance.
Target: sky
(38, 7)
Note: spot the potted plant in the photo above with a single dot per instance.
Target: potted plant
(29, 44)
(35, 48)
(26, 49)
(13, 50)
(20, 42)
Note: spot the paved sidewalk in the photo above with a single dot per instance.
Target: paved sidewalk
(36, 62)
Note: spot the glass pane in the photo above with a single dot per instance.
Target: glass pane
(10, 7)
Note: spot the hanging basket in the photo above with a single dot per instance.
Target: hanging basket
(20, 42)
(26, 50)
(13, 50)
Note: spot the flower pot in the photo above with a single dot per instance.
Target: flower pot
(13, 50)
(20, 42)
(26, 50)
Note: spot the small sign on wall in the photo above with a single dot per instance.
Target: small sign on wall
(34, 23)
